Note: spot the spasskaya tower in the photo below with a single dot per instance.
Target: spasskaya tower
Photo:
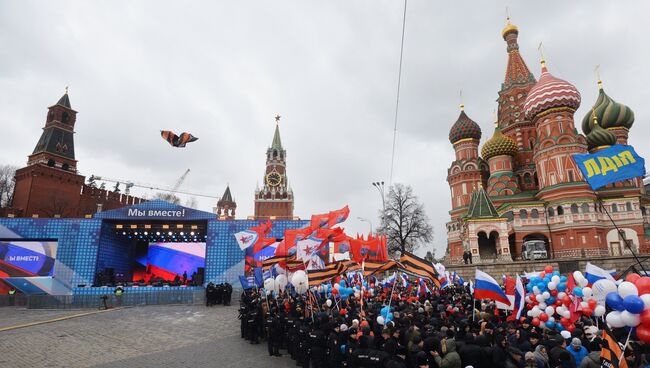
(275, 199)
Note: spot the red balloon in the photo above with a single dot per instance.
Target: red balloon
(554, 292)
(643, 333)
(645, 318)
(632, 277)
(643, 284)
(543, 317)
(564, 321)
(571, 328)
(542, 274)
(335, 291)
(566, 300)
(592, 304)
(548, 269)
(587, 311)
(536, 322)
(344, 312)
(558, 302)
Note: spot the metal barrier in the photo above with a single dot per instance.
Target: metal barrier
(104, 301)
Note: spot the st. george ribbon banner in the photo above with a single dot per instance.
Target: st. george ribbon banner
(616, 163)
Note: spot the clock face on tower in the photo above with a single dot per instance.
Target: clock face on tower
(273, 178)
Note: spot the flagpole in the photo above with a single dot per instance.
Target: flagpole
(392, 291)
(626, 342)
(621, 233)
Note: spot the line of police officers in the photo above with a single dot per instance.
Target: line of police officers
(315, 339)
(218, 294)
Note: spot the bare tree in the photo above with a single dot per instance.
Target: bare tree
(404, 221)
(7, 184)
(168, 197)
(192, 202)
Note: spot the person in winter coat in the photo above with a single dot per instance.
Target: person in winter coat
(592, 360)
(499, 352)
(399, 359)
(513, 358)
(470, 353)
(450, 358)
(578, 351)
(541, 357)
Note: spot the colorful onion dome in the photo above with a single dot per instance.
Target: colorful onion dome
(599, 137)
(464, 128)
(610, 114)
(550, 92)
(498, 145)
(509, 28)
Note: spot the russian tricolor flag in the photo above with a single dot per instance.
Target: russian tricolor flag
(486, 287)
(594, 273)
(520, 298)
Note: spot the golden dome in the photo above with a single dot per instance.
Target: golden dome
(509, 28)
(499, 145)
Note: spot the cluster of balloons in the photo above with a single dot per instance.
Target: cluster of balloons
(630, 304)
(385, 316)
(343, 291)
(300, 281)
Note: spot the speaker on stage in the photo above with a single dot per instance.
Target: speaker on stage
(200, 275)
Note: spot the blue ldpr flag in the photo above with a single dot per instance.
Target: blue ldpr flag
(259, 276)
(244, 282)
(616, 163)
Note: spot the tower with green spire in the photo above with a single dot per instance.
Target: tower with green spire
(275, 199)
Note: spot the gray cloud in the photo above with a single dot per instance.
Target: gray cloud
(223, 70)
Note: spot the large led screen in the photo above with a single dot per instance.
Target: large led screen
(27, 258)
(166, 260)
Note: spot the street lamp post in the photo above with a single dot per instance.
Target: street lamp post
(380, 187)
(366, 220)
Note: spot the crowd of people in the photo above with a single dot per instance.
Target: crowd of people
(441, 329)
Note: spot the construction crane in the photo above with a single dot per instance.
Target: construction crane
(130, 184)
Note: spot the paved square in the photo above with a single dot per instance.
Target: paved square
(154, 336)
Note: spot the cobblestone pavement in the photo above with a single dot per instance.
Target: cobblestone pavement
(153, 336)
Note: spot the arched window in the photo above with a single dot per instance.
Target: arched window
(65, 167)
(551, 212)
(50, 163)
(523, 214)
(628, 206)
(585, 207)
(614, 207)
(64, 117)
(560, 210)
(574, 208)
(534, 213)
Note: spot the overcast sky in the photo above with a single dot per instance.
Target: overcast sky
(223, 70)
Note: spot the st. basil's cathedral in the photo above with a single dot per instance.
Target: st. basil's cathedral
(524, 185)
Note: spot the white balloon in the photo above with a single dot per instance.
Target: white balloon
(630, 319)
(566, 334)
(551, 319)
(539, 298)
(546, 295)
(536, 290)
(281, 282)
(535, 311)
(328, 302)
(614, 319)
(566, 314)
(549, 310)
(583, 282)
(559, 309)
(584, 305)
(600, 310)
(561, 295)
(337, 286)
(300, 281)
(627, 288)
(269, 284)
(542, 305)
(587, 292)
(646, 300)
(577, 275)
(380, 320)
(357, 294)
(529, 313)
(555, 279)
(601, 288)
(551, 285)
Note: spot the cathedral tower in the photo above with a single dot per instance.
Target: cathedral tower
(226, 206)
(275, 198)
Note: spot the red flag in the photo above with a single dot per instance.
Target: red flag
(338, 216)
(367, 250)
(291, 236)
(319, 220)
(570, 283)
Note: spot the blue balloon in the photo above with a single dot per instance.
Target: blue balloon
(556, 273)
(550, 300)
(615, 301)
(558, 326)
(633, 304)
(550, 324)
(577, 291)
(563, 279)
(562, 287)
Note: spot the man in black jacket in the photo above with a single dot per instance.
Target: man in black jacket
(470, 353)
(274, 333)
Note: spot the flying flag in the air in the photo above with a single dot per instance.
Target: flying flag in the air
(177, 140)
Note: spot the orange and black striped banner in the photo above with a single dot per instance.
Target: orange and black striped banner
(349, 265)
(373, 268)
(331, 270)
(270, 262)
(420, 267)
(294, 264)
(611, 354)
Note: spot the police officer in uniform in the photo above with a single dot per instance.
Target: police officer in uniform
(317, 344)
(227, 293)
(274, 333)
